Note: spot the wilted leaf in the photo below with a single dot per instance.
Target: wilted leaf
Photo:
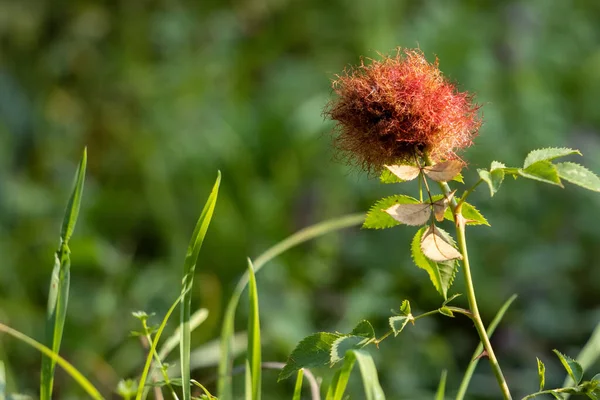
(436, 248)
(578, 175)
(547, 154)
(387, 177)
(410, 214)
(440, 206)
(541, 374)
(377, 218)
(398, 322)
(543, 171)
(441, 274)
(444, 171)
(404, 172)
(572, 367)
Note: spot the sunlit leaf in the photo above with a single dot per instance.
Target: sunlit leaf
(312, 351)
(493, 178)
(410, 214)
(387, 177)
(404, 172)
(440, 206)
(377, 218)
(440, 274)
(436, 248)
(543, 171)
(342, 345)
(444, 171)
(472, 215)
(547, 154)
(541, 373)
(572, 367)
(578, 175)
(405, 307)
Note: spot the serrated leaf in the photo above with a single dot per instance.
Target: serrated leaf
(497, 165)
(405, 307)
(377, 218)
(446, 311)
(404, 172)
(363, 329)
(543, 171)
(312, 351)
(440, 274)
(493, 179)
(440, 206)
(398, 322)
(572, 367)
(436, 248)
(444, 171)
(541, 373)
(458, 178)
(410, 214)
(342, 345)
(472, 215)
(547, 154)
(579, 175)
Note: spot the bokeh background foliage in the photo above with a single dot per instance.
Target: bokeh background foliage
(165, 93)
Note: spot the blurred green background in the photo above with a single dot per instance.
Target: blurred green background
(165, 93)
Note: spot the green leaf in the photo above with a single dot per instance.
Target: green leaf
(541, 373)
(446, 311)
(298, 387)
(312, 351)
(441, 274)
(493, 179)
(398, 322)
(342, 345)
(387, 177)
(363, 329)
(189, 268)
(578, 175)
(572, 367)
(547, 154)
(253, 360)
(58, 294)
(377, 218)
(439, 395)
(458, 178)
(405, 307)
(368, 371)
(472, 215)
(543, 171)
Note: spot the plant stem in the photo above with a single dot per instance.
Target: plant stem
(476, 317)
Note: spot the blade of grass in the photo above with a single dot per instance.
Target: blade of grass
(588, 355)
(253, 355)
(2, 382)
(227, 331)
(462, 390)
(64, 364)
(161, 328)
(58, 295)
(441, 392)
(189, 268)
(341, 379)
(368, 371)
(298, 387)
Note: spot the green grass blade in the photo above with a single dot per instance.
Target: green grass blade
(588, 355)
(188, 279)
(227, 331)
(368, 371)
(152, 350)
(64, 364)
(298, 387)
(253, 361)
(341, 381)
(58, 295)
(462, 390)
(2, 382)
(173, 341)
(441, 392)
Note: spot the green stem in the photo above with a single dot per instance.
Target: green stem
(476, 317)
(469, 191)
